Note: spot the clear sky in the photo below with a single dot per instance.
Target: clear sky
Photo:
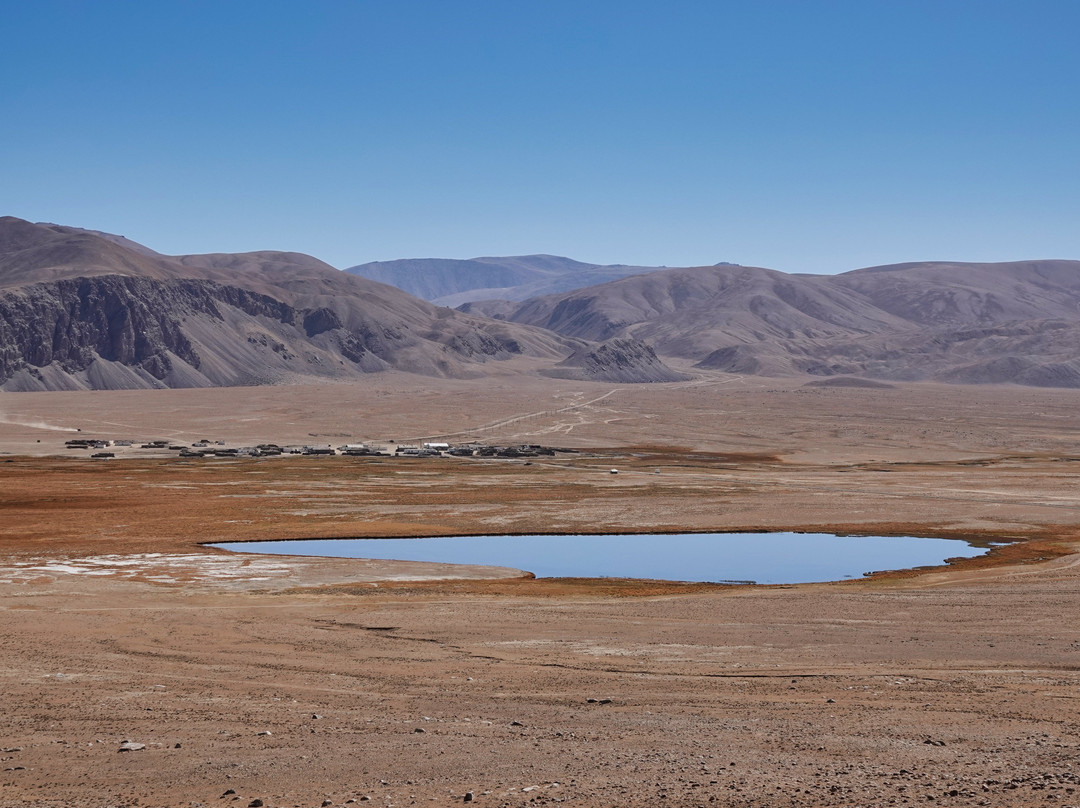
(802, 135)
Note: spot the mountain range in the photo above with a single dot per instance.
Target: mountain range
(84, 309)
(942, 321)
(1015, 322)
(452, 282)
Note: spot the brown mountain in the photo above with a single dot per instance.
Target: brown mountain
(1011, 322)
(83, 309)
(80, 309)
(944, 294)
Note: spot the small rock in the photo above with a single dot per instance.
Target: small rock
(255, 803)
(468, 797)
(266, 732)
(591, 701)
(830, 701)
(604, 701)
(327, 802)
(516, 724)
(419, 729)
(365, 798)
(228, 792)
(527, 789)
(316, 716)
(176, 746)
(130, 746)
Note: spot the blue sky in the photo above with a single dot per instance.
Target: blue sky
(810, 136)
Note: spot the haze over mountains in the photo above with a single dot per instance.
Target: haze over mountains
(83, 309)
(452, 282)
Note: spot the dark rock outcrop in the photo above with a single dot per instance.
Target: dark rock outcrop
(620, 360)
(131, 321)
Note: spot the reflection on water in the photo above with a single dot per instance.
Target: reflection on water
(764, 558)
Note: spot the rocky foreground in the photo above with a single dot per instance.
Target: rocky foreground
(122, 693)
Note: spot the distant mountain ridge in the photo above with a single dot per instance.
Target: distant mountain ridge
(453, 282)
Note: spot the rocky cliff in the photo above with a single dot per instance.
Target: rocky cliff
(620, 360)
(79, 310)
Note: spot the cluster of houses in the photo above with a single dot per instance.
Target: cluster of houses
(92, 443)
(206, 448)
(88, 443)
(476, 450)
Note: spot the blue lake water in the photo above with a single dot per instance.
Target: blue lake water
(764, 558)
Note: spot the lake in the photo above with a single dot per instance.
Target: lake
(763, 558)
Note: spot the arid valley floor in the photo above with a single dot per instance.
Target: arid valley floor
(252, 680)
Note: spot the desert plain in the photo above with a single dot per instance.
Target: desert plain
(139, 667)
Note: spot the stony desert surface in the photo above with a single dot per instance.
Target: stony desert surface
(140, 668)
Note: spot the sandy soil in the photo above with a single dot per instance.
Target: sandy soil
(300, 681)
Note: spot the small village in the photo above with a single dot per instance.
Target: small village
(109, 449)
